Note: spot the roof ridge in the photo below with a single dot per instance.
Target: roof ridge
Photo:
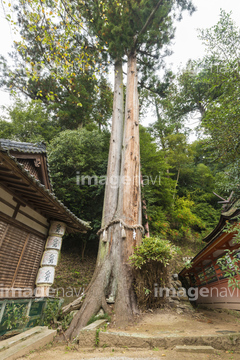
(22, 146)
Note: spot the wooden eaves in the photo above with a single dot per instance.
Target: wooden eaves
(217, 236)
(29, 191)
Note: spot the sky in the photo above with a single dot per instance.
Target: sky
(186, 44)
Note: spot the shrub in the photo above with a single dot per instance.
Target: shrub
(152, 249)
(150, 261)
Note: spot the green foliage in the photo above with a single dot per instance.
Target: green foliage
(73, 155)
(181, 205)
(188, 264)
(206, 213)
(120, 25)
(149, 262)
(65, 47)
(66, 321)
(51, 312)
(234, 227)
(53, 315)
(183, 215)
(178, 152)
(54, 62)
(15, 315)
(29, 121)
(97, 340)
(229, 263)
(157, 186)
(210, 85)
(227, 180)
(152, 249)
(184, 223)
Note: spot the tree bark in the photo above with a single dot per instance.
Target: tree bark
(114, 157)
(113, 275)
(129, 203)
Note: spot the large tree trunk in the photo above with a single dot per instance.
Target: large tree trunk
(129, 203)
(113, 276)
(115, 149)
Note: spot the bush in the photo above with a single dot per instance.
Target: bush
(150, 261)
(153, 249)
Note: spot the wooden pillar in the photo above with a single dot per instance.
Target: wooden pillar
(46, 273)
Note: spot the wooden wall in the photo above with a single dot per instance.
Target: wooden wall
(23, 234)
(10, 206)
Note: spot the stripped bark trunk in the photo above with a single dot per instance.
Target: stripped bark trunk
(114, 157)
(144, 205)
(113, 276)
(129, 207)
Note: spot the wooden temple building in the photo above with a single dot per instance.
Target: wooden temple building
(32, 224)
(204, 279)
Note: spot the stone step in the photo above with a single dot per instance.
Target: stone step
(95, 325)
(87, 339)
(195, 349)
(29, 340)
(5, 344)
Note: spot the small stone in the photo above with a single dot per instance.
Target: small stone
(175, 277)
(179, 312)
(100, 313)
(173, 303)
(110, 300)
(183, 307)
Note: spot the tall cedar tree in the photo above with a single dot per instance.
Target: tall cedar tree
(128, 30)
(134, 31)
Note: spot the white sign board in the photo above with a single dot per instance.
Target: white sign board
(58, 228)
(54, 242)
(50, 258)
(45, 275)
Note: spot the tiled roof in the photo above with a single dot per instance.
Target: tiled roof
(27, 148)
(23, 147)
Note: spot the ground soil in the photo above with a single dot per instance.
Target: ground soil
(183, 321)
(159, 322)
(190, 321)
(68, 353)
